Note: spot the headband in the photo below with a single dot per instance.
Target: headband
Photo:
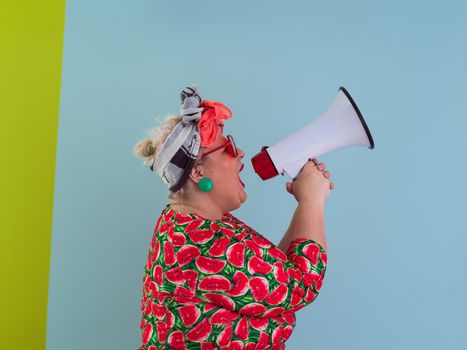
(198, 128)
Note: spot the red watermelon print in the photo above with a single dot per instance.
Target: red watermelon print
(177, 340)
(209, 307)
(287, 332)
(277, 335)
(187, 253)
(277, 253)
(209, 265)
(324, 258)
(193, 225)
(176, 238)
(164, 228)
(290, 319)
(201, 236)
(214, 283)
(296, 274)
(161, 328)
(259, 323)
(259, 288)
(310, 296)
(175, 275)
(297, 295)
(170, 319)
(250, 346)
(279, 273)
(220, 300)
(191, 277)
(254, 247)
(253, 309)
(303, 264)
(207, 346)
(219, 247)
(169, 254)
(182, 219)
(263, 341)
(224, 317)
(156, 250)
(147, 333)
(236, 345)
(224, 337)
(189, 314)
(240, 286)
(157, 275)
(184, 296)
(278, 295)
(257, 265)
(236, 254)
(158, 311)
(261, 241)
(241, 329)
(220, 284)
(310, 278)
(200, 332)
(311, 251)
(271, 313)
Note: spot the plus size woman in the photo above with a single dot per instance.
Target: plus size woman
(211, 281)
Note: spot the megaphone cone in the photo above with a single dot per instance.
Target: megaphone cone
(342, 125)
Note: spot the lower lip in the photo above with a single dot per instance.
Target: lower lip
(241, 182)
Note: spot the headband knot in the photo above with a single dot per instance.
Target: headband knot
(209, 122)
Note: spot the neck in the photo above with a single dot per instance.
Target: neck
(207, 211)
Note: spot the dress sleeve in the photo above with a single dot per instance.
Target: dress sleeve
(246, 273)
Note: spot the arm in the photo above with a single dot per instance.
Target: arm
(307, 222)
(253, 277)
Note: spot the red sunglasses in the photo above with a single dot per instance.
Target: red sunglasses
(229, 146)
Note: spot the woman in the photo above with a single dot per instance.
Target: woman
(210, 280)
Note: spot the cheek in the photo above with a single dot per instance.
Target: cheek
(227, 173)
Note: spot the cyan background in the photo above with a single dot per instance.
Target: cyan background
(395, 222)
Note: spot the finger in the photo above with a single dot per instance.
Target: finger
(321, 166)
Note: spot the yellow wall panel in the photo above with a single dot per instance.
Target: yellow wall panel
(31, 43)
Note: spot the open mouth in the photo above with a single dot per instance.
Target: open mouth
(241, 168)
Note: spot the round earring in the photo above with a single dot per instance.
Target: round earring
(205, 184)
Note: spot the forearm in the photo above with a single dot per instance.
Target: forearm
(307, 222)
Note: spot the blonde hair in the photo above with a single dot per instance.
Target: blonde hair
(149, 148)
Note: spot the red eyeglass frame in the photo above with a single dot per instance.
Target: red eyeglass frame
(232, 149)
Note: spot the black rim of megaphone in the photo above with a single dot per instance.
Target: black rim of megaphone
(368, 134)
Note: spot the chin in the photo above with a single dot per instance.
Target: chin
(243, 197)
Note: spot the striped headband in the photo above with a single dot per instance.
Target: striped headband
(198, 128)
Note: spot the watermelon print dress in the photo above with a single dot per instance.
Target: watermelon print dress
(219, 284)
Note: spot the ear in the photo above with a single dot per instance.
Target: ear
(197, 173)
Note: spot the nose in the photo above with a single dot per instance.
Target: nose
(240, 152)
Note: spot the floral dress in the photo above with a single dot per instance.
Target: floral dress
(219, 284)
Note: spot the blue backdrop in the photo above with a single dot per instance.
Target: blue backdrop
(395, 222)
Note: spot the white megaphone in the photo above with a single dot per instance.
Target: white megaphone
(340, 126)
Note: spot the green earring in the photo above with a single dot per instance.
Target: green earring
(205, 184)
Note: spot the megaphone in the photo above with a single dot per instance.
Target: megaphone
(342, 125)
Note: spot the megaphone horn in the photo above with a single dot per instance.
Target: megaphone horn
(342, 125)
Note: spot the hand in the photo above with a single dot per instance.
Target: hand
(312, 184)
